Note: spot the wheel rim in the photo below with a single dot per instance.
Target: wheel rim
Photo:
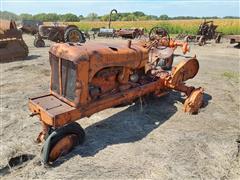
(74, 36)
(63, 146)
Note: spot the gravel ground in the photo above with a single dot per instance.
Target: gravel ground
(153, 141)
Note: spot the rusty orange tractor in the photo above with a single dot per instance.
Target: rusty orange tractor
(88, 78)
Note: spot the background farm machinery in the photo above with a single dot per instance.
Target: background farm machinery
(124, 33)
(105, 32)
(111, 32)
(57, 33)
(12, 45)
(130, 33)
(91, 77)
(30, 26)
(206, 31)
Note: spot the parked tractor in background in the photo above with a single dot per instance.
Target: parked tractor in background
(58, 33)
(30, 26)
(12, 45)
(206, 31)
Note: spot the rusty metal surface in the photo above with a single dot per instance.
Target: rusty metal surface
(12, 46)
(120, 53)
(5, 25)
(59, 33)
(8, 29)
(174, 44)
(104, 77)
(12, 49)
(45, 30)
(88, 78)
(56, 113)
(193, 103)
(52, 105)
(130, 33)
(185, 70)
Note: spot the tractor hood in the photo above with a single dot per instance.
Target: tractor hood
(107, 52)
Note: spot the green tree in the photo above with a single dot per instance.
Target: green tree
(104, 18)
(144, 18)
(69, 17)
(25, 16)
(123, 16)
(8, 15)
(164, 17)
(130, 17)
(92, 16)
(114, 17)
(138, 14)
(40, 17)
(52, 17)
(231, 17)
(152, 17)
(81, 17)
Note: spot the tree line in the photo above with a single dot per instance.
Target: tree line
(69, 17)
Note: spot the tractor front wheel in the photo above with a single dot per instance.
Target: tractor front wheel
(61, 141)
(201, 41)
(39, 42)
(218, 38)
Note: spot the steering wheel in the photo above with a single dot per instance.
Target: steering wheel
(158, 33)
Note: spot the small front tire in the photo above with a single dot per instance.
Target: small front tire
(39, 43)
(61, 141)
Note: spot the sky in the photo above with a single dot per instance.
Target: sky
(172, 8)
